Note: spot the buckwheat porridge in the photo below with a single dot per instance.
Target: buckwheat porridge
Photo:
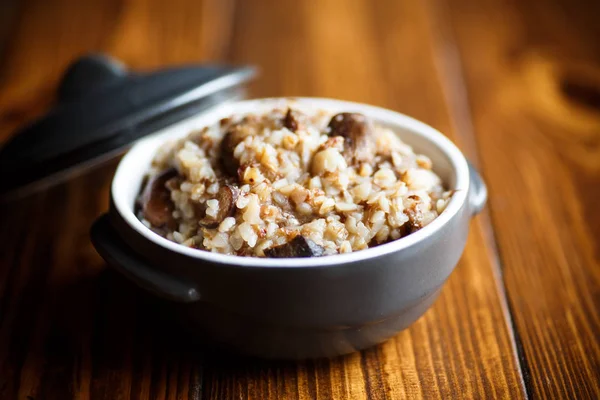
(288, 184)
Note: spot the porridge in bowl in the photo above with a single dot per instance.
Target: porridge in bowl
(290, 184)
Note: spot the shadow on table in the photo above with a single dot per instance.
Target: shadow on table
(110, 328)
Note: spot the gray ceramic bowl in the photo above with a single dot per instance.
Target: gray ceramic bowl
(303, 307)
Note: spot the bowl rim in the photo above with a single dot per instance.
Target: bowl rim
(451, 152)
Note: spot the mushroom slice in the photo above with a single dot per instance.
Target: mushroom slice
(290, 120)
(157, 206)
(297, 247)
(357, 131)
(229, 163)
(227, 196)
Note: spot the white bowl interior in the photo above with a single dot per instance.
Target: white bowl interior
(448, 163)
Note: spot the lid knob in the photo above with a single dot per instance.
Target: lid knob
(87, 74)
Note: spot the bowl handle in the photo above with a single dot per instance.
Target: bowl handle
(477, 191)
(122, 258)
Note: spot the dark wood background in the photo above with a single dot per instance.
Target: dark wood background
(515, 83)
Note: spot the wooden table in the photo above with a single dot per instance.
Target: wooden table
(516, 84)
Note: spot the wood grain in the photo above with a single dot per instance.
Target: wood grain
(534, 85)
(367, 63)
(71, 328)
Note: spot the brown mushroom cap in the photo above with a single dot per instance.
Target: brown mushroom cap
(227, 196)
(290, 120)
(229, 163)
(357, 131)
(157, 206)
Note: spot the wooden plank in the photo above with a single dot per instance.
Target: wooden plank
(71, 329)
(533, 76)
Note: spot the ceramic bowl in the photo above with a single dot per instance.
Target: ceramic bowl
(303, 307)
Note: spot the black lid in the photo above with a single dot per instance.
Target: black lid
(102, 109)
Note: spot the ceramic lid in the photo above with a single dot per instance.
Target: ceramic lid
(102, 109)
